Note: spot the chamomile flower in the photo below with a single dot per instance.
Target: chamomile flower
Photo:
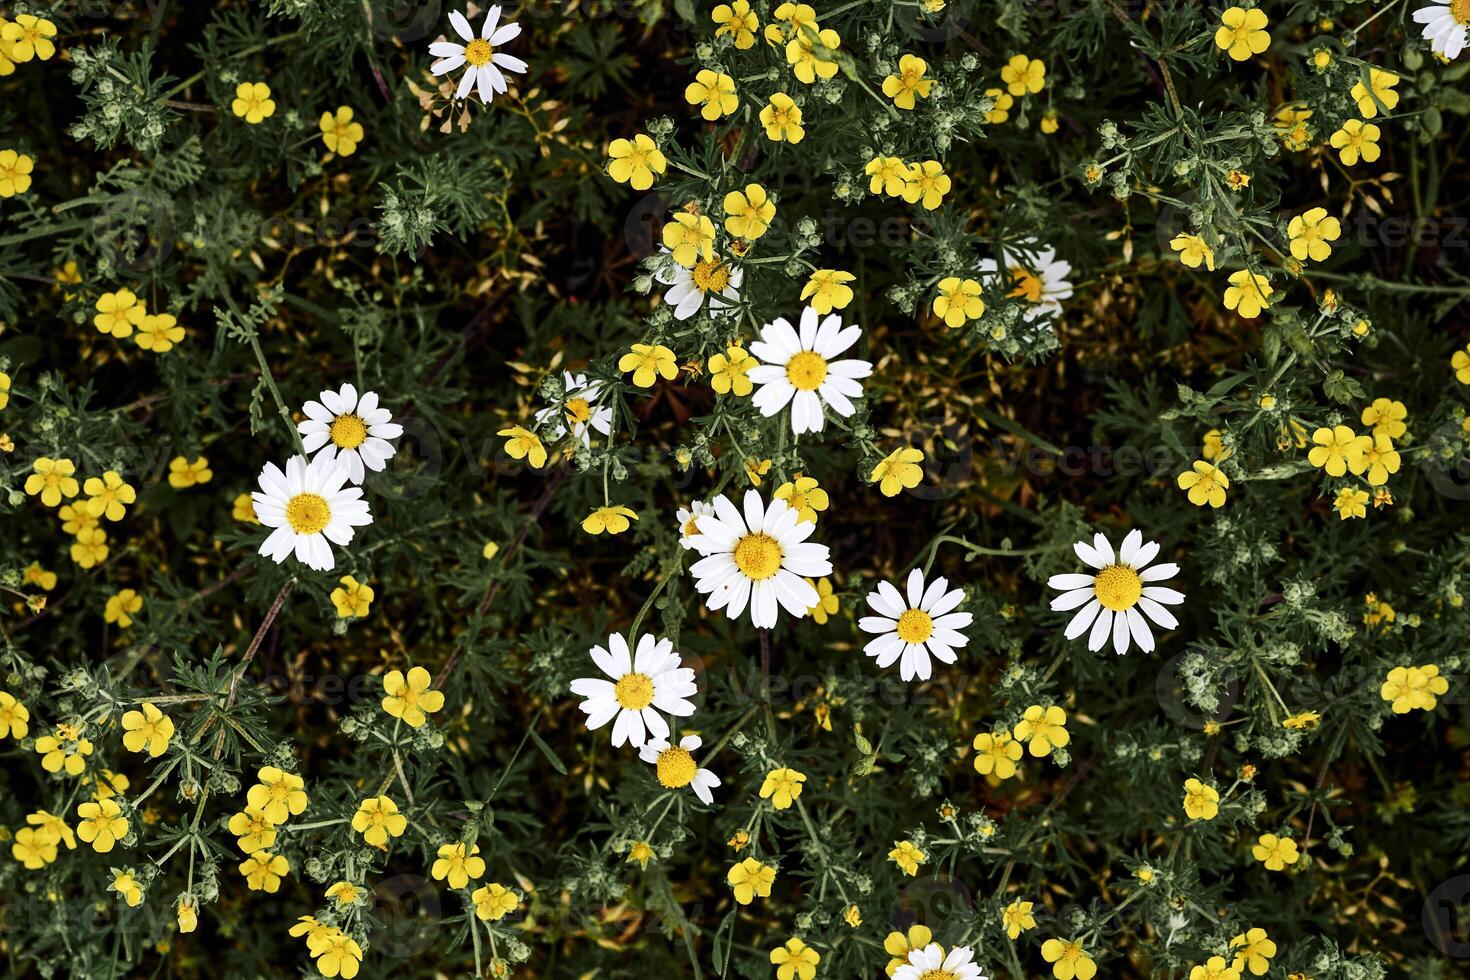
(484, 62)
(760, 558)
(712, 283)
(310, 510)
(1445, 25)
(354, 431)
(689, 522)
(578, 411)
(1036, 276)
(800, 370)
(643, 683)
(676, 766)
(1120, 595)
(915, 627)
(931, 962)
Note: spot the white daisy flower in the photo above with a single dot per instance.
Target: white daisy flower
(1445, 25)
(689, 522)
(917, 627)
(676, 766)
(580, 410)
(1119, 596)
(760, 558)
(309, 506)
(799, 369)
(1036, 276)
(485, 63)
(930, 963)
(353, 431)
(642, 685)
(712, 283)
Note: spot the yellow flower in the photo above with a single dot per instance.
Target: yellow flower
(958, 301)
(1255, 952)
(900, 470)
(158, 333)
(1248, 294)
(27, 37)
(1206, 484)
(635, 162)
(1201, 802)
(188, 916)
(1069, 960)
(909, 83)
(1049, 124)
(1001, 102)
(853, 916)
(183, 474)
(803, 496)
(336, 953)
(243, 509)
(15, 173)
(1017, 918)
(810, 57)
(782, 787)
(4, 389)
(1338, 450)
(1043, 729)
(649, 362)
(907, 856)
(1291, 124)
(339, 132)
(749, 212)
(109, 784)
(1381, 83)
(411, 698)
(755, 469)
(1386, 416)
(490, 550)
(1242, 33)
(1275, 852)
(795, 959)
(1351, 503)
(899, 945)
(32, 849)
(727, 371)
(1303, 721)
(1356, 139)
(782, 119)
(750, 879)
(36, 575)
(796, 16)
(827, 290)
(1193, 250)
(613, 519)
(52, 479)
(75, 518)
(641, 852)
(1023, 75)
(120, 607)
(1321, 58)
(102, 824)
(90, 548)
(278, 794)
(1214, 969)
(1381, 460)
(14, 717)
(353, 599)
(1460, 362)
(1410, 688)
(888, 175)
(255, 831)
(344, 893)
(494, 902)
(1237, 180)
(108, 495)
(827, 604)
(377, 819)
(263, 871)
(997, 755)
(127, 888)
(64, 749)
(1310, 234)
(458, 866)
(521, 443)
(738, 21)
(53, 828)
(714, 92)
(253, 102)
(927, 183)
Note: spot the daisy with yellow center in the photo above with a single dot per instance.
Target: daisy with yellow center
(253, 102)
(484, 64)
(782, 119)
(1356, 140)
(909, 83)
(675, 766)
(339, 132)
(1446, 24)
(635, 162)
(802, 369)
(378, 819)
(1023, 75)
(638, 686)
(688, 518)
(411, 698)
(15, 172)
(355, 431)
(712, 283)
(714, 93)
(1242, 33)
(1116, 599)
(310, 508)
(958, 301)
(910, 629)
(760, 558)
(1035, 276)
(932, 963)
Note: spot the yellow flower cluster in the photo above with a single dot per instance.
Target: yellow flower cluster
(923, 183)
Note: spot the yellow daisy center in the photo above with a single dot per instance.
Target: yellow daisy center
(478, 52)
(1117, 587)
(676, 767)
(915, 626)
(348, 431)
(807, 370)
(1028, 284)
(691, 527)
(1460, 10)
(711, 276)
(936, 975)
(308, 513)
(634, 691)
(758, 556)
(578, 411)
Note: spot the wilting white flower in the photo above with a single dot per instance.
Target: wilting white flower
(676, 766)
